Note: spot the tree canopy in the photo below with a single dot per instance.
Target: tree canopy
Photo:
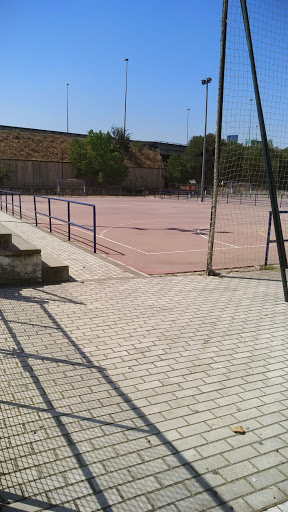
(181, 169)
(99, 156)
(239, 162)
(5, 174)
(122, 138)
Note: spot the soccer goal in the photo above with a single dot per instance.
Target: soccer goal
(71, 186)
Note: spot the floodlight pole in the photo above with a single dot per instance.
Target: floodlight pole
(188, 110)
(62, 170)
(67, 108)
(204, 82)
(125, 60)
(249, 135)
(266, 154)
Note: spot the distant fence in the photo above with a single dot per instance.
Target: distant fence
(40, 177)
(37, 174)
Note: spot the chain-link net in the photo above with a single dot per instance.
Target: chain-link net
(243, 199)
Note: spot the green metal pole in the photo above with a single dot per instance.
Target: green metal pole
(209, 269)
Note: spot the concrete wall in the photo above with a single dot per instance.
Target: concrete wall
(34, 174)
(143, 177)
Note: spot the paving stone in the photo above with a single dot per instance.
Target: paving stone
(237, 471)
(265, 498)
(139, 503)
(268, 460)
(231, 490)
(283, 507)
(266, 478)
(168, 495)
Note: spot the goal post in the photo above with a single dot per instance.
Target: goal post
(73, 185)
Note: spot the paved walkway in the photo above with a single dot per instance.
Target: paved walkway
(120, 392)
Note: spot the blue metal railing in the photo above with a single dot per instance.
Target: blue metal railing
(12, 203)
(176, 193)
(68, 221)
(269, 241)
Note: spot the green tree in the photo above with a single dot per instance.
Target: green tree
(282, 163)
(98, 156)
(253, 167)
(173, 169)
(5, 174)
(122, 139)
(231, 162)
(193, 156)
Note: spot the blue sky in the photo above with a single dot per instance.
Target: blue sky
(170, 45)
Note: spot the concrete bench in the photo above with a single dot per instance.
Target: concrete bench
(5, 237)
(21, 262)
(53, 270)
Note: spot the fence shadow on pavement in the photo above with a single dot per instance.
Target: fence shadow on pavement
(25, 362)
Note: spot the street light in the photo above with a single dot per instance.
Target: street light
(67, 85)
(188, 110)
(125, 60)
(204, 82)
(249, 139)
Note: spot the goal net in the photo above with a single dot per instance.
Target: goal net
(71, 187)
(243, 203)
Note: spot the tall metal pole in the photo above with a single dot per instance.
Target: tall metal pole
(209, 269)
(204, 82)
(188, 110)
(62, 164)
(67, 108)
(266, 154)
(249, 135)
(160, 173)
(125, 60)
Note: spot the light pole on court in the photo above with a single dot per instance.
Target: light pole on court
(67, 108)
(249, 136)
(204, 82)
(188, 110)
(125, 60)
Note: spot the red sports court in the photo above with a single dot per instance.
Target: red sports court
(162, 236)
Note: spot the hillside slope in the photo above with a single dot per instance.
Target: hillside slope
(17, 144)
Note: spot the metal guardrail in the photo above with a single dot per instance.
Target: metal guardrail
(269, 241)
(68, 221)
(12, 203)
(189, 194)
(251, 198)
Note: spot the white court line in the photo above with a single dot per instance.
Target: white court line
(119, 225)
(172, 252)
(215, 241)
(162, 252)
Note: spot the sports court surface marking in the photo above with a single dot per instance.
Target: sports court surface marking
(158, 236)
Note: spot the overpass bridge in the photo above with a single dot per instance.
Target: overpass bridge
(166, 149)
